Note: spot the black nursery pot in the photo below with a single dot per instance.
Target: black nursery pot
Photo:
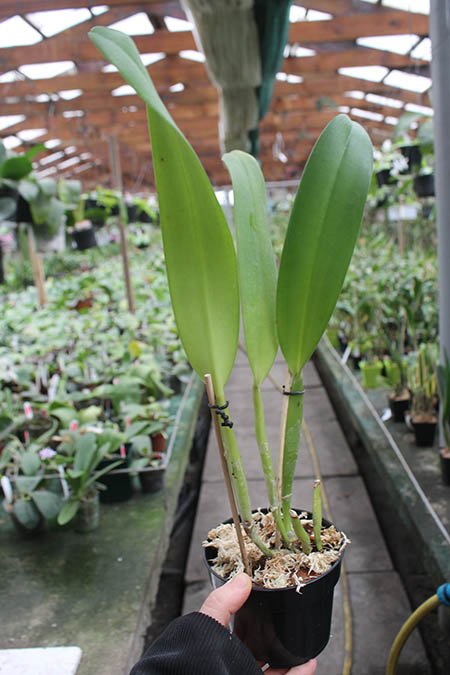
(119, 487)
(151, 481)
(424, 433)
(413, 154)
(424, 185)
(284, 627)
(85, 239)
(398, 408)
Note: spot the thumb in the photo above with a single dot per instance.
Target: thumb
(226, 600)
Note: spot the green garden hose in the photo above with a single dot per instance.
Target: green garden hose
(441, 597)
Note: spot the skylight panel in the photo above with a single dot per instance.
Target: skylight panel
(10, 76)
(192, 55)
(85, 155)
(124, 90)
(398, 44)
(391, 120)
(287, 77)
(423, 50)
(56, 20)
(384, 100)
(11, 142)
(298, 52)
(179, 86)
(46, 172)
(43, 71)
(423, 109)
(10, 120)
(15, 32)
(397, 78)
(344, 109)
(416, 6)
(69, 94)
(99, 9)
(68, 114)
(367, 114)
(370, 73)
(314, 15)
(31, 134)
(296, 13)
(83, 167)
(48, 159)
(40, 98)
(69, 162)
(70, 149)
(355, 94)
(138, 24)
(52, 143)
(177, 25)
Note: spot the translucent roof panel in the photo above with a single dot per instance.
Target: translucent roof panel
(424, 110)
(192, 55)
(177, 25)
(179, 86)
(15, 32)
(48, 159)
(296, 13)
(42, 71)
(418, 83)
(31, 134)
(138, 24)
(371, 73)
(52, 143)
(314, 15)
(11, 142)
(399, 44)
(69, 162)
(384, 100)
(99, 9)
(68, 114)
(124, 90)
(69, 94)
(355, 94)
(417, 6)
(298, 52)
(391, 120)
(10, 120)
(53, 22)
(423, 50)
(286, 77)
(367, 114)
(10, 76)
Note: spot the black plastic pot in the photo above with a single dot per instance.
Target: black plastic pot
(445, 465)
(414, 156)
(119, 487)
(151, 480)
(424, 185)
(384, 178)
(132, 213)
(398, 408)
(85, 239)
(283, 627)
(23, 212)
(424, 433)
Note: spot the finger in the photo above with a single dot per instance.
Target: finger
(226, 600)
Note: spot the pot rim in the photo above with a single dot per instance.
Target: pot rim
(294, 587)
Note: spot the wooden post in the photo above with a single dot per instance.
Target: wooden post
(237, 523)
(116, 179)
(36, 264)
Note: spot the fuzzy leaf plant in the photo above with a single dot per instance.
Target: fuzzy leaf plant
(209, 279)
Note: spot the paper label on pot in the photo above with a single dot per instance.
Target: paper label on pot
(28, 410)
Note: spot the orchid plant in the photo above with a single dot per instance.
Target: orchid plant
(209, 279)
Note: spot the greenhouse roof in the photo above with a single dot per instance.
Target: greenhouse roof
(369, 58)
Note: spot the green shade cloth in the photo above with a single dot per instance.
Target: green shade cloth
(272, 21)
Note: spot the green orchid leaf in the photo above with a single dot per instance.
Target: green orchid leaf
(199, 251)
(35, 150)
(16, 168)
(256, 262)
(321, 236)
(26, 513)
(30, 463)
(7, 207)
(48, 503)
(68, 511)
(26, 484)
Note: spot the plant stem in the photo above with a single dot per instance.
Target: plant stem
(301, 533)
(237, 475)
(317, 514)
(266, 460)
(291, 444)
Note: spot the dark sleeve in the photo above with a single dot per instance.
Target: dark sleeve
(195, 644)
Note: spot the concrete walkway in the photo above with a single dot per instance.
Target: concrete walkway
(373, 590)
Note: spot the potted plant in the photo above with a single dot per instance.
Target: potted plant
(423, 386)
(290, 308)
(80, 454)
(443, 376)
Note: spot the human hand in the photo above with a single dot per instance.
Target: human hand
(226, 600)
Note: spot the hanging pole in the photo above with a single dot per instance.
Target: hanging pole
(440, 39)
(116, 180)
(234, 512)
(36, 265)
